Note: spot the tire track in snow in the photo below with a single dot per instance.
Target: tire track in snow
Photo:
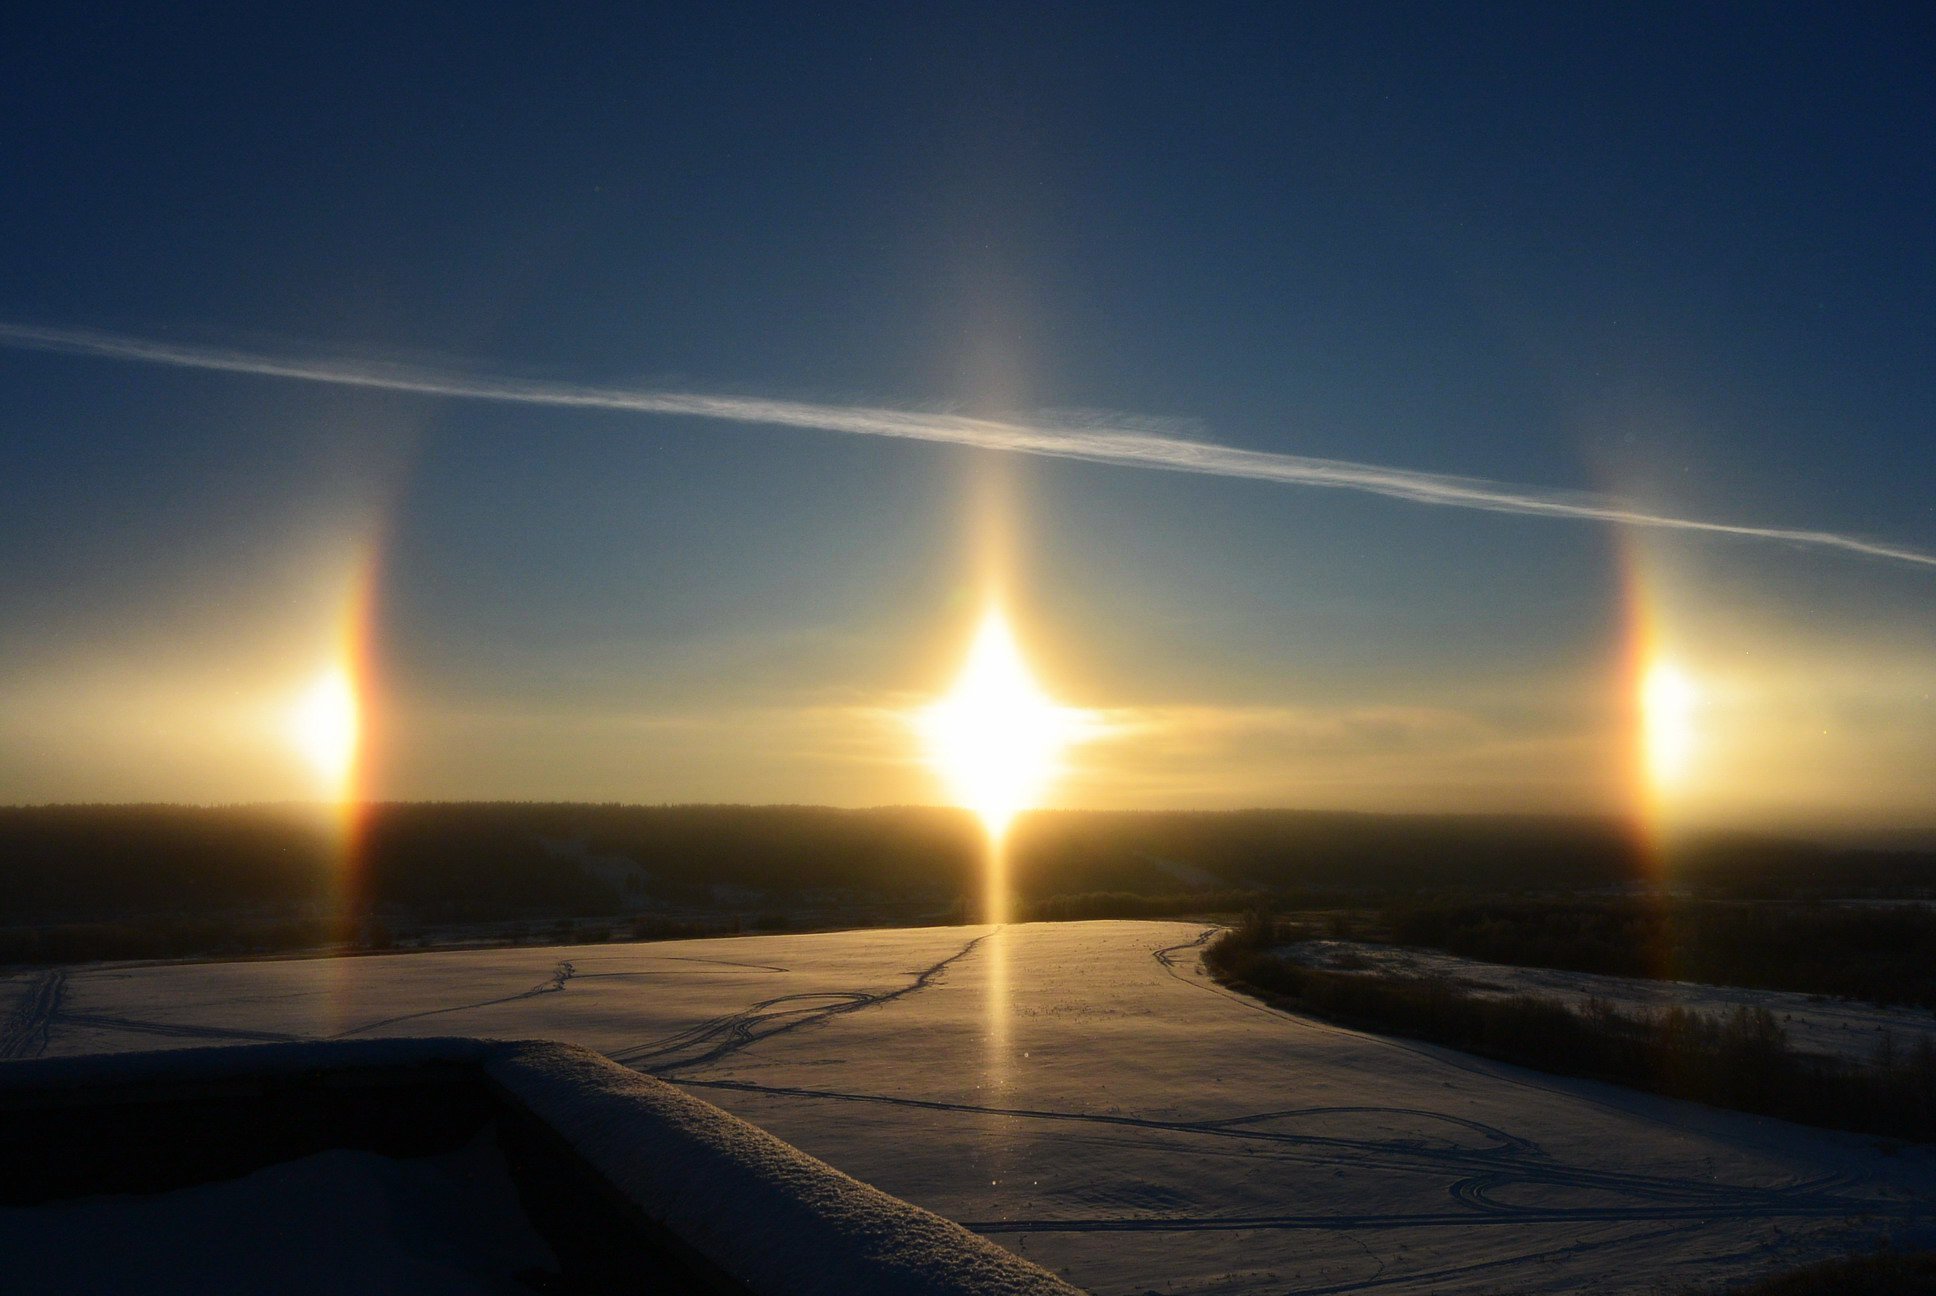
(1528, 1257)
(694, 958)
(1456, 1061)
(1502, 1140)
(1693, 1213)
(1488, 1070)
(25, 1031)
(677, 958)
(1400, 1153)
(729, 1034)
(734, 1031)
(140, 1027)
(562, 973)
(1477, 1174)
(550, 985)
(1492, 1072)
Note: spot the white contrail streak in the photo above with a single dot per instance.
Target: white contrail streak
(1095, 440)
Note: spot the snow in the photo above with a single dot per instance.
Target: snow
(1815, 1023)
(745, 1204)
(775, 1219)
(339, 1221)
(1083, 1095)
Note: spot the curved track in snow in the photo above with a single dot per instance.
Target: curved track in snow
(25, 1030)
(1084, 1094)
(723, 1036)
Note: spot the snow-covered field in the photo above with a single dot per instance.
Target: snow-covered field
(1815, 1024)
(1084, 1095)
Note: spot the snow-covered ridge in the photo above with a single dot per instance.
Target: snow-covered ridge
(749, 1207)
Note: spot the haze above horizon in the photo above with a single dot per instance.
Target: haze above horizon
(1541, 270)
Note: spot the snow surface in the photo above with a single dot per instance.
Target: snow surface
(1082, 1094)
(766, 1213)
(747, 1205)
(339, 1221)
(1815, 1023)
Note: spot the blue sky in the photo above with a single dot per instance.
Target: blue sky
(1678, 255)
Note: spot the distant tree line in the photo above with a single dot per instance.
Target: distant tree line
(1885, 954)
(1740, 1060)
(1129, 904)
(168, 937)
(166, 880)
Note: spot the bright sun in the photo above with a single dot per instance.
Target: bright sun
(324, 725)
(996, 738)
(1667, 698)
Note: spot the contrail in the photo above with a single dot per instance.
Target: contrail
(1101, 439)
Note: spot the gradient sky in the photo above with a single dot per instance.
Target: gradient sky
(1676, 255)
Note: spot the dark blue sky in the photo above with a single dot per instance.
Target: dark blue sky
(1678, 254)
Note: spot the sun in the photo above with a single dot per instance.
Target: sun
(325, 724)
(1667, 701)
(996, 739)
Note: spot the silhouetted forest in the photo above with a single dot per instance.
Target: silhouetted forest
(157, 880)
(1741, 1060)
(1886, 954)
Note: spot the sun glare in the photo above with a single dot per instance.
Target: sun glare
(1667, 699)
(996, 738)
(324, 725)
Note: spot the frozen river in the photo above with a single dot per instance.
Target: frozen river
(1083, 1094)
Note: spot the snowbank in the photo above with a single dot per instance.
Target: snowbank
(742, 1205)
(762, 1210)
